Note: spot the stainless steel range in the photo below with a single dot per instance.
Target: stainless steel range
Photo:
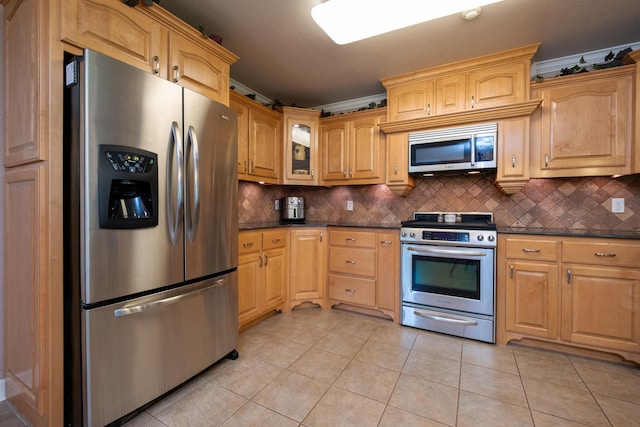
(448, 273)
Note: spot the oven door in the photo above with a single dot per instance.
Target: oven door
(451, 277)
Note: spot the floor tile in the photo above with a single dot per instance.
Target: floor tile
(372, 381)
(426, 398)
(438, 369)
(564, 402)
(342, 408)
(182, 391)
(327, 319)
(281, 352)
(292, 395)
(545, 420)
(614, 382)
(247, 376)
(620, 413)
(493, 384)
(438, 345)
(320, 365)
(475, 410)
(253, 415)
(361, 326)
(394, 417)
(340, 343)
(142, 420)
(301, 332)
(206, 406)
(492, 356)
(385, 355)
(390, 333)
(558, 371)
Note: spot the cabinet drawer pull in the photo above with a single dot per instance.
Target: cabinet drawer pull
(352, 291)
(530, 250)
(176, 74)
(350, 239)
(247, 244)
(156, 64)
(473, 102)
(395, 168)
(266, 259)
(385, 242)
(569, 276)
(260, 265)
(350, 262)
(605, 254)
(275, 240)
(313, 173)
(344, 172)
(511, 271)
(428, 109)
(546, 160)
(513, 161)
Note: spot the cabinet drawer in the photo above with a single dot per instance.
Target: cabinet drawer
(274, 239)
(356, 239)
(351, 289)
(532, 249)
(361, 262)
(601, 253)
(249, 242)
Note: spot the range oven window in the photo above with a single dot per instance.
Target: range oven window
(446, 276)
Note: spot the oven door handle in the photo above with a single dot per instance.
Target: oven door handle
(445, 319)
(446, 251)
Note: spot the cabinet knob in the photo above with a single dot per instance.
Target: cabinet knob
(247, 244)
(513, 161)
(275, 240)
(344, 172)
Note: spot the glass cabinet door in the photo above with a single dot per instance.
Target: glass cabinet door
(301, 146)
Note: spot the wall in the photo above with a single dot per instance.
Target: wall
(573, 203)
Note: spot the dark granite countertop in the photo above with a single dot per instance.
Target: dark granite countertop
(618, 234)
(272, 224)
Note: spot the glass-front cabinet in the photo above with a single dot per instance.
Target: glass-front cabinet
(301, 154)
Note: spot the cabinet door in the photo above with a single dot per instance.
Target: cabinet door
(532, 298)
(398, 179)
(495, 86)
(116, 30)
(274, 278)
(411, 101)
(451, 94)
(364, 149)
(249, 284)
(307, 264)
(243, 135)
(513, 154)
(388, 272)
(585, 125)
(335, 151)
(601, 306)
(301, 146)
(192, 66)
(264, 143)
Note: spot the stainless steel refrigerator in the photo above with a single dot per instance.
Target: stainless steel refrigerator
(150, 237)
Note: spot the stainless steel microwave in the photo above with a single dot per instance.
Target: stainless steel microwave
(453, 149)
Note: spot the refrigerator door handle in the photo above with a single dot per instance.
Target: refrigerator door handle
(166, 301)
(193, 175)
(173, 214)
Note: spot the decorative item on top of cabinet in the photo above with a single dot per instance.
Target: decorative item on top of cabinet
(262, 274)
(479, 83)
(364, 271)
(353, 148)
(584, 127)
(513, 154)
(307, 261)
(300, 149)
(152, 39)
(573, 294)
(259, 140)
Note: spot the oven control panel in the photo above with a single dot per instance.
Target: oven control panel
(477, 238)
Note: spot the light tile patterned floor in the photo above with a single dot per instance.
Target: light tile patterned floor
(332, 368)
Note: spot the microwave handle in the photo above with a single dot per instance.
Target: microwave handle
(473, 150)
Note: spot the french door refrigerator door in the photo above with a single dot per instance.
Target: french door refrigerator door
(142, 348)
(125, 107)
(211, 211)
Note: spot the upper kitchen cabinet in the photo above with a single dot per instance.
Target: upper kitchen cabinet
(353, 148)
(259, 140)
(301, 153)
(584, 127)
(513, 154)
(397, 177)
(152, 39)
(485, 82)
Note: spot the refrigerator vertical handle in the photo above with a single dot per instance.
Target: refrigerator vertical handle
(174, 185)
(193, 183)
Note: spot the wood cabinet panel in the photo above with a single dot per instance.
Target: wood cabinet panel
(397, 177)
(541, 249)
(410, 101)
(388, 273)
(513, 154)
(499, 85)
(301, 151)
(249, 284)
(352, 238)
(451, 94)
(359, 262)
(308, 265)
(613, 254)
(335, 151)
(353, 290)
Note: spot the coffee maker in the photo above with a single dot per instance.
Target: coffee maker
(292, 210)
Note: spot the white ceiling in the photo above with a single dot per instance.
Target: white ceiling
(284, 55)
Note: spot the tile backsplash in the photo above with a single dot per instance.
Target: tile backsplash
(567, 203)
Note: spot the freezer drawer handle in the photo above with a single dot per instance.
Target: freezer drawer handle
(193, 173)
(446, 319)
(173, 215)
(166, 301)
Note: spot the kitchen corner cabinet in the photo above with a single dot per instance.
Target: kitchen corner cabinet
(307, 264)
(353, 148)
(151, 39)
(397, 177)
(513, 154)
(574, 291)
(364, 270)
(33, 241)
(584, 126)
(262, 274)
(484, 82)
(300, 150)
(259, 140)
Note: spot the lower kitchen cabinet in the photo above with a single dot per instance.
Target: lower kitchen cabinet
(578, 292)
(262, 274)
(307, 262)
(364, 270)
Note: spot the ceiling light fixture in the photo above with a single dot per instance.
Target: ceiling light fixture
(346, 21)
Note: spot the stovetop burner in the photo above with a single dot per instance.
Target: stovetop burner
(452, 220)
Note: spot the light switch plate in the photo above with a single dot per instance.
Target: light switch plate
(349, 205)
(617, 205)
(276, 205)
